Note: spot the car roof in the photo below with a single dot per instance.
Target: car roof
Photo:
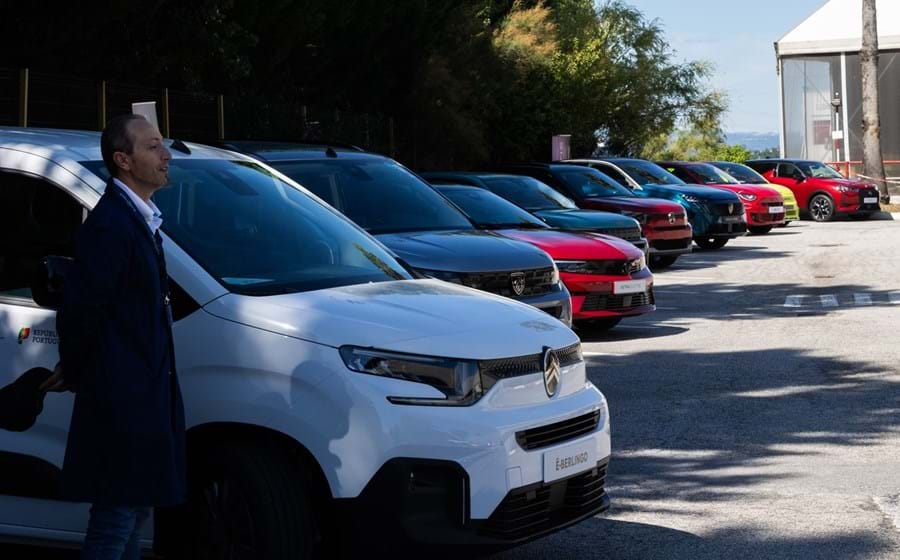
(289, 151)
(83, 145)
(543, 165)
(455, 187)
(782, 160)
(478, 174)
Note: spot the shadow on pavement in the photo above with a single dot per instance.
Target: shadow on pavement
(628, 331)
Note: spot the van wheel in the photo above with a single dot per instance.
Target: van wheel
(821, 208)
(759, 230)
(710, 243)
(662, 261)
(246, 502)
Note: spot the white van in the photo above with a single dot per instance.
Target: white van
(329, 394)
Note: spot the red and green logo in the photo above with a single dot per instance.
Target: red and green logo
(23, 334)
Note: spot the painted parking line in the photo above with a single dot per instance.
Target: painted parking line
(828, 300)
(862, 299)
(793, 301)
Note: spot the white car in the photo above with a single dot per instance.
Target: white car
(328, 393)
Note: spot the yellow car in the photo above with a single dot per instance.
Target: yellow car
(747, 175)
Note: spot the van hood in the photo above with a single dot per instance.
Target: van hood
(563, 245)
(586, 219)
(428, 317)
(464, 251)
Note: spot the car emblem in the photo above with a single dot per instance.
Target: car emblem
(730, 208)
(551, 371)
(671, 217)
(517, 282)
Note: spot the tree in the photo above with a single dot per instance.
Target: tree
(873, 164)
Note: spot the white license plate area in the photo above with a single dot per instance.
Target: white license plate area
(629, 287)
(570, 460)
(870, 200)
(776, 209)
(730, 219)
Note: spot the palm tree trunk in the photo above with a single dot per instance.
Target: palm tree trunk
(873, 164)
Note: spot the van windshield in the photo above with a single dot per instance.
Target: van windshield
(258, 235)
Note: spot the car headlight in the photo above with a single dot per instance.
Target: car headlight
(690, 198)
(442, 275)
(639, 216)
(554, 278)
(747, 196)
(459, 380)
(643, 262)
(847, 189)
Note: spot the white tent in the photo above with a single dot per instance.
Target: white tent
(837, 27)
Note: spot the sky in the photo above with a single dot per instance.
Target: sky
(738, 37)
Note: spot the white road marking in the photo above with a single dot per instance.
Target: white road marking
(862, 299)
(793, 301)
(828, 300)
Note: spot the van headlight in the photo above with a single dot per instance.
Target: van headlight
(459, 380)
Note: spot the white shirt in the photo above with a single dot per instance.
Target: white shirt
(148, 210)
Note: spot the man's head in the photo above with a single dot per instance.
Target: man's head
(134, 153)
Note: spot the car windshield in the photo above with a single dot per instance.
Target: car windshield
(712, 175)
(529, 193)
(258, 235)
(590, 183)
(378, 194)
(818, 170)
(648, 173)
(742, 173)
(488, 210)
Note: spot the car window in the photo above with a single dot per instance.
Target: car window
(742, 173)
(616, 176)
(787, 170)
(261, 236)
(529, 193)
(648, 173)
(819, 170)
(488, 210)
(590, 183)
(710, 174)
(378, 194)
(39, 220)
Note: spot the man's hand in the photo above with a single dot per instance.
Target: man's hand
(55, 383)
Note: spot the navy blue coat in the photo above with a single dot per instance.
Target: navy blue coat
(126, 440)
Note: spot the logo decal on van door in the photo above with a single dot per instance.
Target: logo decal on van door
(23, 334)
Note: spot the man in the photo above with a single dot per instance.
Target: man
(125, 451)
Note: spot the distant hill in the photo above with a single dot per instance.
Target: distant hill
(755, 141)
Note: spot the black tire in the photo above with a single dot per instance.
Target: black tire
(821, 208)
(599, 325)
(710, 243)
(662, 261)
(248, 501)
(759, 230)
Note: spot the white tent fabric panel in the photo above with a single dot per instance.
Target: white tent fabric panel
(837, 27)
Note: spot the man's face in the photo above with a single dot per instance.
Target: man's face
(148, 164)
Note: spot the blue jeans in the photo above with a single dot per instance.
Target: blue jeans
(114, 533)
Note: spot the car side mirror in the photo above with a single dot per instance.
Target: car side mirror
(47, 287)
(799, 177)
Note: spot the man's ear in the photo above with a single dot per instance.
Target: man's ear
(121, 159)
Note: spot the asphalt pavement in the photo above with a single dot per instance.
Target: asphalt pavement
(755, 413)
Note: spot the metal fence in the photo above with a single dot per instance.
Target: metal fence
(38, 99)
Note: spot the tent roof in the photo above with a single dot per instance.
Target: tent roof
(837, 27)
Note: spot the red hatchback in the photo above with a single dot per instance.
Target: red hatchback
(607, 277)
(763, 206)
(819, 189)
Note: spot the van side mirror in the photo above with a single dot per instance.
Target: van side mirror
(47, 286)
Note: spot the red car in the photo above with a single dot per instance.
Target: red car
(664, 223)
(763, 206)
(607, 277)
(819, 189)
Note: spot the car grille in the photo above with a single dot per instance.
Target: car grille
(525, 365)
(612, 267)
(722, 209)
(535, 509)
(551, 434)
(609, 302)
(671, 244)
(537, 282)
(628, 234)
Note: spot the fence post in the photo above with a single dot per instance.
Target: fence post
(23, 97)
(220, 116)
(165, 113)
(101, 110)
